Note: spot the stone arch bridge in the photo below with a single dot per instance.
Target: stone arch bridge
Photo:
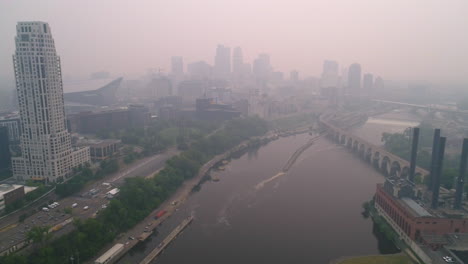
(384, 161)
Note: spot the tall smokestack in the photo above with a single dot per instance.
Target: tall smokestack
(414, 152)
(440, 161)
(461, 176)
(435, 151)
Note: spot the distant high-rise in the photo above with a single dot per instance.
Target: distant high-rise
(329, 74)
(294, 76)
(379, 83)
(261, 67)
(177, 66)
(47, 153)
(330, 67)
(222, 66)
(237, 61)
(354, 78)
(199, 70)
(368, 82)
(160, 87)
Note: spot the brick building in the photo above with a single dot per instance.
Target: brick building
(414, 221)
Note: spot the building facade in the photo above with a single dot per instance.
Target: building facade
(104, 150)
(222, 66)
(47, 154)
(10, 193)
(14, 130)
(368, 82)
(354, 78)
(5, 156)
(177, 66)
(330, 75)
(417, 225)
(112, 120)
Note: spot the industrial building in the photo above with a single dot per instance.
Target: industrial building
(426, 218)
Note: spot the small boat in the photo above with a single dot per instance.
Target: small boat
(214, 178)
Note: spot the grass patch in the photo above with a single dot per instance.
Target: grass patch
(391, 259)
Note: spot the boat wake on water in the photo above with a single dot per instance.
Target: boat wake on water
(262, 183)
(289, 163)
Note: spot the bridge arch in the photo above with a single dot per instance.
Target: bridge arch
(376, 160)
(384, 165)
(355, 145)
(368, 157)
(378, 157)
(343, 139)
(362, 151)
(395, 169)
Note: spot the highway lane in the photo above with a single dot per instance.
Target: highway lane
(13, 232)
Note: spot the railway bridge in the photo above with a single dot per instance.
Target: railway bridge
(384, 161)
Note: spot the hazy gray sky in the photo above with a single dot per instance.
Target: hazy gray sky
(398, 39)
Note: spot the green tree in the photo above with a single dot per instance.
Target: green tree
(38, 234)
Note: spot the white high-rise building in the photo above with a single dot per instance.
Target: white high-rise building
(47, 153)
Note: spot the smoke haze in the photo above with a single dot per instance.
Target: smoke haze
(400, 39)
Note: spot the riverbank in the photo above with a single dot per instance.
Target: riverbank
(375, 259)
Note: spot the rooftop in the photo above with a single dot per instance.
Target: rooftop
(417, 209)
(6, 188)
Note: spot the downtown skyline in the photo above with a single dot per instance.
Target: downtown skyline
(434, 53)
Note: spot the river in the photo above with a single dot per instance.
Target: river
(311, 214)
(395, 121)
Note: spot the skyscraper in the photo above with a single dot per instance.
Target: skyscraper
(368, 82)
(237, 62)
(261, 67)
(47, 153)
(222, 66)
(379, 83)
(177, 66)
(354, 78)
(330, 67)
(329, 74)
(294, 76)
